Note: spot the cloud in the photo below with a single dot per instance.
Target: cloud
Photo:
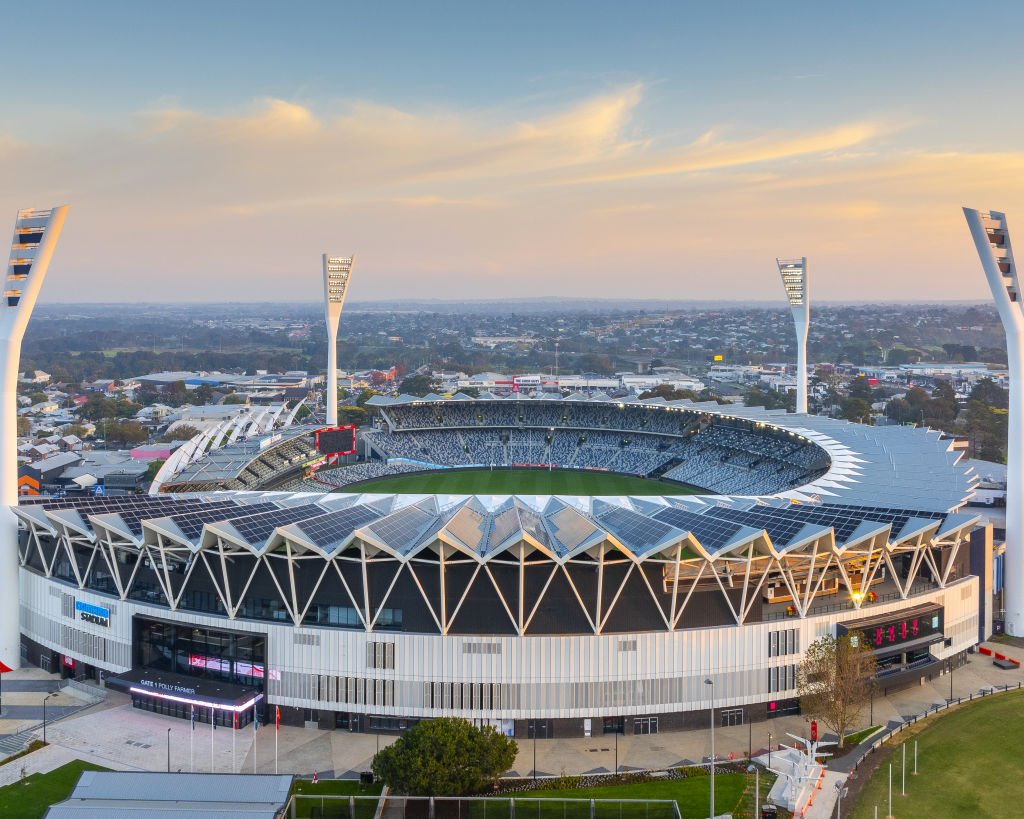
(491, 202)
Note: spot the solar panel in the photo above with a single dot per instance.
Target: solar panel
(634, 530)
(402, 529)
(256, 528)
(712, 533)
(327, 530)
(781, 528)
(191, 523)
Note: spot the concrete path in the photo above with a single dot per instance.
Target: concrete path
(112, 733)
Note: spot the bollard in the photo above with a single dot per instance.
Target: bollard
(512, 808)
(352, 807)
(592, 809)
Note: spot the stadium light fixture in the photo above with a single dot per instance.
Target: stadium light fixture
(35, 238)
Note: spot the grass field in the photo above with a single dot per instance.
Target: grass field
(520, 482)
(30, 797)
(968, 765)
(690, 794)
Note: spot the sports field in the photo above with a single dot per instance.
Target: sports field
(968, 764)
(520, 482)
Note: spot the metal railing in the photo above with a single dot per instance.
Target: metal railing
(881, 737)
(476, 807)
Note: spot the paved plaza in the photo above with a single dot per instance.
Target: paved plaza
(115, 735)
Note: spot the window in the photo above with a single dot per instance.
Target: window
(380, 655)
(614, 725)
(783, 642)
(731, 716)
(781, 678)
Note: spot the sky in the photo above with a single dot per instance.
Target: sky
(212, 151)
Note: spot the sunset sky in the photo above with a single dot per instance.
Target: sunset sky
(212, 151)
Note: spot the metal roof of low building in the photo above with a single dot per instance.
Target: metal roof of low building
(115, 794)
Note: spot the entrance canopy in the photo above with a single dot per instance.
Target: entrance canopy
(187, 690)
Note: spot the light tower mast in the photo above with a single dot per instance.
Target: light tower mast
(794, 279)
(337, 272)
(992, 240)
(35, 237)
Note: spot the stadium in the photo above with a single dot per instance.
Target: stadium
(261, 574)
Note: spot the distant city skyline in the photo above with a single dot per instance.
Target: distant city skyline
(212, 152)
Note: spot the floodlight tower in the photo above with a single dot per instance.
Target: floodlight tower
(992, 240)
(794, 279)
(337, 272)
(35, 237)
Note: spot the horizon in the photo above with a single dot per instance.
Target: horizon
(555, 150)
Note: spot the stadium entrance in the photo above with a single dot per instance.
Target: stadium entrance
(226, 668)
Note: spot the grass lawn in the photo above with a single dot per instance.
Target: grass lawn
(691, 794)
(29, 798)
(520, 482)
(968, 764)
(858, 737)
(308, 803)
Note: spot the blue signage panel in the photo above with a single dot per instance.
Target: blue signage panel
(99, 615)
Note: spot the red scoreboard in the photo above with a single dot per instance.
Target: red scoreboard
(336, 440)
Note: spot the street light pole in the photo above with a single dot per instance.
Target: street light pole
(52, 693)
(712, 765)
(757, 787)
(168, 750)
(769, 750)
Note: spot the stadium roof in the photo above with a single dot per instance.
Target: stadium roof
(481, 526)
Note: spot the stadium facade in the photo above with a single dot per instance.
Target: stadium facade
(545, 616)
(32, 246)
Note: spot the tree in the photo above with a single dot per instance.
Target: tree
(126, 432)
(418, 385)
(235, 398)
(855, 409)
(24, 426)
(447, 756)
(668, 392)
(836, 679)
(182, 432)
(989, 392)
(860, 388)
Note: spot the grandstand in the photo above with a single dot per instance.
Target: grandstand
(257, 462)
(719, 454)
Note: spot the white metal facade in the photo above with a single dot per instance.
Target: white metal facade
(508, 677)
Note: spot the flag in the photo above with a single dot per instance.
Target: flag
(236, 720)
(193, 718)
(277, 719)
(314, 777)
(255, 720)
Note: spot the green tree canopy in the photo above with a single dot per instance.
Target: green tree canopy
(836, 680)
(447, 756)
(669, 393)
(182, 432)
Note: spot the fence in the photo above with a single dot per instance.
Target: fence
(884, 736)
(476, 807)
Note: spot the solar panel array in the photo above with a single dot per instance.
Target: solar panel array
(192, 523)
(401, 530)
(332, 528)
(712, 533)
(781, 527)
(257, 528)
(638, 532)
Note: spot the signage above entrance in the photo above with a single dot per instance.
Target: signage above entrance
(97, 615)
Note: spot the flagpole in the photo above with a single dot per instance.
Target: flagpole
(255, 727)
(277, 730)
(213, 725)
(234, 730)
(191, 743)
